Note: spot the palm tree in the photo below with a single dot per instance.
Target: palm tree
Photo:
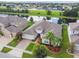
(56, 42)
(53, 40)
(50, 36)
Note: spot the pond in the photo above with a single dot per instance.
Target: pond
(53, 20)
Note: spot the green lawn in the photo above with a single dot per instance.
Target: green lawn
(56, 13)
(6, 50)
(14, 42)
(30, 46)
(33, 13)
(65, 45)
(26, 55)
(38, 12)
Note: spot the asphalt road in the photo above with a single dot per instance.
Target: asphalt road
(4, 55)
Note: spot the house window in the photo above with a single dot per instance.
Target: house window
(46, 42)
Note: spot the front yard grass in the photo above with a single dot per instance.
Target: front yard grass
(64, 46)
(6, 50)
(14, 42)
(26, 55)
(30, 47)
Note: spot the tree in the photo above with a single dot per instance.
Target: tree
(48, 12)
(48, 18)
(56, 42)
(31, 19)
(39, 51)
(70, 13)
(50, 36)
(53, 40)
(19, 35)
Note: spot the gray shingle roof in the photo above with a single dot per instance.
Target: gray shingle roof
(13, 29)
(19, 22)
(74, 26)
(55, 28)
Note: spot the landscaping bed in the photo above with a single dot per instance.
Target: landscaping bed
(26, 55)
(6, 50)
(14, 42)
(30, 47)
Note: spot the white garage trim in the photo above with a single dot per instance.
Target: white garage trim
(28, 36)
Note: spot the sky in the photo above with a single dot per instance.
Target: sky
(40, 0)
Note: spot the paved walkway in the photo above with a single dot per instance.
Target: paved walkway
(20, 48)
(4, 40)
(76, 56)
(4, 55)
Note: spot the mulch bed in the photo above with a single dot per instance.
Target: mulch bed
(51, 48)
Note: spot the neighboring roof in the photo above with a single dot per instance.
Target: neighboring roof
(16, 23)
(4, 20)
(77, 28)
(11, 19)
(77, 41)
(47, 26)
(74, 25)
(13, 29)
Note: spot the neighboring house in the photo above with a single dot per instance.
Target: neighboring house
(74, 35)
(14, 24)
(36, 18)
(53, 20)
(76, 47)
(41, 28)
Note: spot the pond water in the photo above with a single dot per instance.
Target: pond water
(53, 20)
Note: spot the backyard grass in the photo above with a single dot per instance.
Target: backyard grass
(64, 46)
(38, 12)
(56, 13)
(53, 14)
(30, 47)
(14, 42)
(6, 50)
(26, 55)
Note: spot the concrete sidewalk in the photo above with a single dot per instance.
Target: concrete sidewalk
(20, 48)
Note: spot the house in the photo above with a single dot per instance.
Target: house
(74, 35)
(13, 24)
(74, 30)
(76, 47)
(41, 28)
(36, 18)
